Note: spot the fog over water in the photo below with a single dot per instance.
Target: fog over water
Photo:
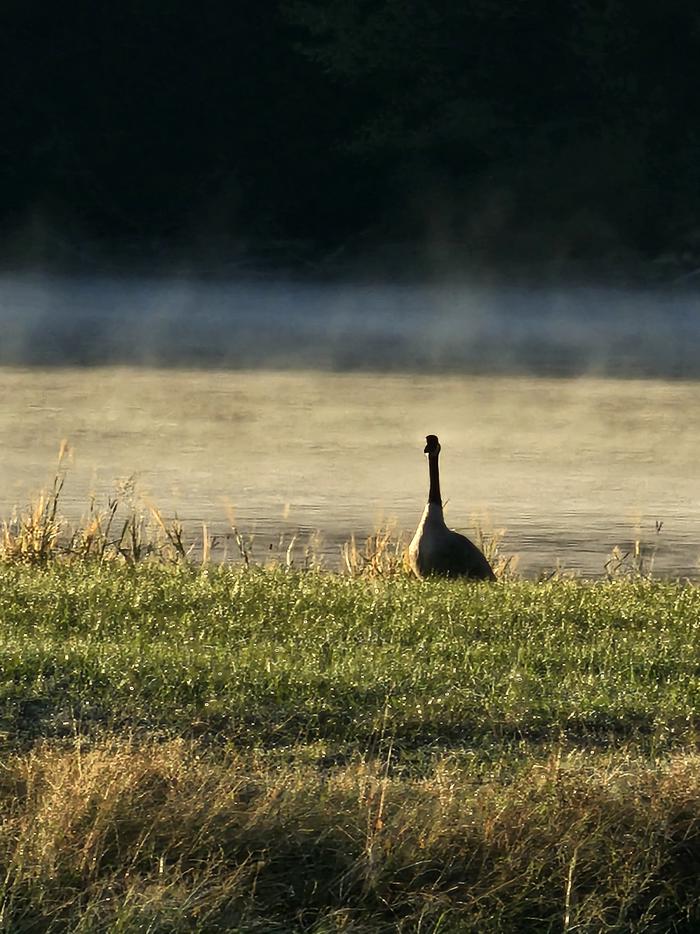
(456, 328)
(571, 418)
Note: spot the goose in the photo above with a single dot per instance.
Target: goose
(435, 549)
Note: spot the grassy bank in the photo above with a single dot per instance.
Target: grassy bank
(264, 750)
(272, 656)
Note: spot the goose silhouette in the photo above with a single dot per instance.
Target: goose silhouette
(436, 550)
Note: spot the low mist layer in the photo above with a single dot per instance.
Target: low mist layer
(284, 324)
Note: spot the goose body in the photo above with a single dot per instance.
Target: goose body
(437, 550)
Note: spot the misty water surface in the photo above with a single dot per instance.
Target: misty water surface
(305, 407)
(286, 324)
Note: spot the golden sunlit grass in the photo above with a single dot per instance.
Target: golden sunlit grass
(168, 836)
(124, 529)
(382, 554)
(33, 536)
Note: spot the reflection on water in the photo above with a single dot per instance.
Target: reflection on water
(570, 467)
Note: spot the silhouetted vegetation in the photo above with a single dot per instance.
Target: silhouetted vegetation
(502, 125)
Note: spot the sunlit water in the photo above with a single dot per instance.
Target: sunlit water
(569, 467)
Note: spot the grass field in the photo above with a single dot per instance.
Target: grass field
(224, 749)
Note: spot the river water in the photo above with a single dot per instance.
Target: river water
(569, 419)
(568, 467)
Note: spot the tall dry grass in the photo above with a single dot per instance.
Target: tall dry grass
(132, 530)
(170, 837)
(124, 528)
(33, 535)
(381, 554)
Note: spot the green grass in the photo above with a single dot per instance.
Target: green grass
(266, 656)
(264, 750)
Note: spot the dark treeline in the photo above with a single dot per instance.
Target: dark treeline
(501, 124)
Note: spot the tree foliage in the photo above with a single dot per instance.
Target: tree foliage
(326, 118)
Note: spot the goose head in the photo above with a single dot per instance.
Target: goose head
(432, 446)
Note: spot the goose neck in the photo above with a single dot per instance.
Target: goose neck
(434, 492)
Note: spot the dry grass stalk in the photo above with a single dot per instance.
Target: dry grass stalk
(171, 546)
(382, 554)
(245, 547)
(92, 538)
(209, 543)
(637, 561)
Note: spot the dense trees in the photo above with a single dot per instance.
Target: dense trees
(499, 121)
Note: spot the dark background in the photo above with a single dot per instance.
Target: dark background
(504, 128)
